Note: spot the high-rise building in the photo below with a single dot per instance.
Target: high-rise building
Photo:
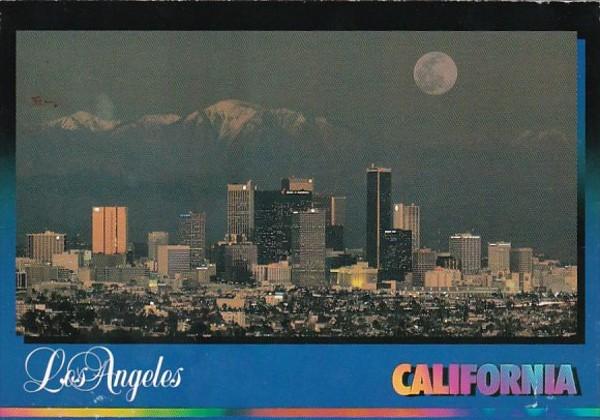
(42, 246)
(173, 259)
(424, 260)
(297, 184)
(379, 210)
(191, 231)
(272, 228)
(240, 211)
(499, 257)
(521, 260)
(396, 254)
(408, 217)
(109, 230)
(155, 239)
(308, 248)
(466, 248)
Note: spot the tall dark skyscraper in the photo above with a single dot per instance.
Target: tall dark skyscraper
(191, 231)
(379, 210)
(272, 221)
(396, 254)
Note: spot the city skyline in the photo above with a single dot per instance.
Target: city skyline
(483, 157)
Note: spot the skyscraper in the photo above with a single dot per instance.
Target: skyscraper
(109, 230)
(408, 217)
(521, 260)
(273, 210)
(240, 211)
(379, 210)
(173, 259)
(191, 231)
(154, 240)
(466, 248)
(424, 260)
(499, 257)
(396, 254)
(42, 246)
(308, 248)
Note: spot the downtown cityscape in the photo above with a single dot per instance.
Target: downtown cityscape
(324, 186)
(282, 270)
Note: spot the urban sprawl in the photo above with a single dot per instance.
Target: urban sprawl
(283, 270)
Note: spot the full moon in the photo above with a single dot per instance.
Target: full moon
(435, 73)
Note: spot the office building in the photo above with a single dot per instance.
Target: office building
(499, 257)
(173, 259)
(379, 210)
(424, 260)
(273, 211)
(109, 230)
(191, 231)
(308, 248)
(42, 246)
(155, 239)
(240, 211)
(408, 217)
(466, 248)
(396, 254)
(521, 260)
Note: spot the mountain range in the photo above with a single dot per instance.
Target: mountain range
(161, 164)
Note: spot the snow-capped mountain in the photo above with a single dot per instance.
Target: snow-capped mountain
(83, 120)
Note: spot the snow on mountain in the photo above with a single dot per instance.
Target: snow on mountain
(83, 120)
(226, 118)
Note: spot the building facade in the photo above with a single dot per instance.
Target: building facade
(109, 230)
(42, 246)
(273, 213)
(396, 254)
(408, 217)
(240, 211)
(521, 260)
(308, 248)
(499, 257)
(379, 210)
(466, 248)
(155, 239)
(191, 231)
(423, 260)
(173, 259)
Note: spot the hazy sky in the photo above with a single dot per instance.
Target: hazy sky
(511, 86)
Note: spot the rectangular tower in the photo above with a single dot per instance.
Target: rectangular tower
(408, 217)
(379, 210)
(191, 231)
(466, 248)
(240, 211)
(499, 257)
(109, 230)
(308, 248)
